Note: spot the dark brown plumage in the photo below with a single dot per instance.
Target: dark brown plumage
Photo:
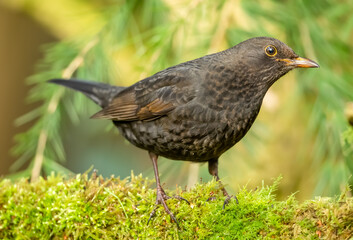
(196, 110)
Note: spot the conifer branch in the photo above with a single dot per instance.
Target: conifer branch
(52, 106)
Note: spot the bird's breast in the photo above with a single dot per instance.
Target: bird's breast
(192, 136)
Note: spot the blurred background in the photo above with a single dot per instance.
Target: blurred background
(302, 132)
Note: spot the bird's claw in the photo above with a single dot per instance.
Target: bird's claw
(152, 214)
(161, 198)
(181, 198)
(162, 202)
(211, 199)
(227, 200)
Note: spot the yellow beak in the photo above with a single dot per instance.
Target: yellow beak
(300, 62)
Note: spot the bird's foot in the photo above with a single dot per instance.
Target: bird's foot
(226, 194)
(211, 199)
(227, 200)
(161, 200)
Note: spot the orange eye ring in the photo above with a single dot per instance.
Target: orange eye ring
(271, 50)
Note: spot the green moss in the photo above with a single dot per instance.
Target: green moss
(97, 208)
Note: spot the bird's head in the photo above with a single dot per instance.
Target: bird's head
(268, 59)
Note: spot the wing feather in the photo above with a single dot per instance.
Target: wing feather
(152, 97)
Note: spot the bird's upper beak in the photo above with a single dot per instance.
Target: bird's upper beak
(300, 62)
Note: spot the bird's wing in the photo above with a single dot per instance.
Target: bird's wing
(152, 97)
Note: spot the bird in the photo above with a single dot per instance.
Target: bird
(196, 110)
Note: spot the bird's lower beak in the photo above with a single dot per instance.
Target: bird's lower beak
(300, 62)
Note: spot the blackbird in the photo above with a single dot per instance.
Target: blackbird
(196, 110)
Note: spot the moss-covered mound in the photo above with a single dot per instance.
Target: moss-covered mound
(97, 208)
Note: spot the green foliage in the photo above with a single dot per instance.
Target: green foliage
(97, 208)
(57, 58)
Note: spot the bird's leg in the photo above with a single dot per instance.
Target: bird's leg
(213, 170)
(161, 195)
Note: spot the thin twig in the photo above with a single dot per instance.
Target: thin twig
(52, 106)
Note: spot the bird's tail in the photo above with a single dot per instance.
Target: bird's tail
(100, 93)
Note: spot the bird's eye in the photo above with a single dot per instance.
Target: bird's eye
(271, 50)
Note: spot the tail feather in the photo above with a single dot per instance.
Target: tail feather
(100, 93)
